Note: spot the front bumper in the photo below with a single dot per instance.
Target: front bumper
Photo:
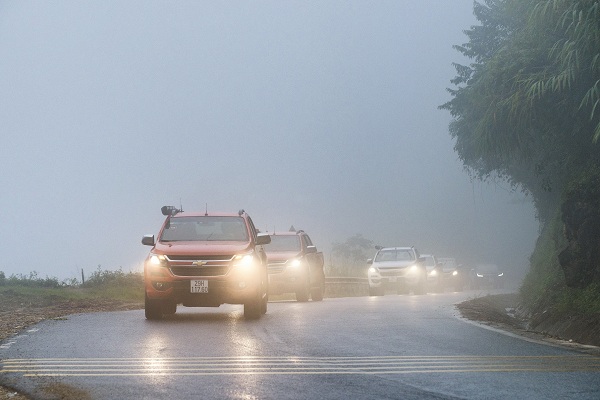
(233, 288)
(286, 280)
(393, 278)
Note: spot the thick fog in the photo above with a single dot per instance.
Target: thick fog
(317, 114)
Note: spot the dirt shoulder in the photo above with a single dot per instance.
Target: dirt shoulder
(504, 312)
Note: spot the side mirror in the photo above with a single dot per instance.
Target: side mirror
(369, 261)
(311, 249)
(262, 239)
(148, 240)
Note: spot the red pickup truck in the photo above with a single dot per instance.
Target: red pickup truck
(295, 266)
(205, 260)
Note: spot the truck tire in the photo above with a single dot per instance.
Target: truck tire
(421, 287)
(376, 291)
(257, 306)
(303, 291)
(169, 308)
(153, 309)
(316, 293)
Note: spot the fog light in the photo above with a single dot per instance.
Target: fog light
(161, 285)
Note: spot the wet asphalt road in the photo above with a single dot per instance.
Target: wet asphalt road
(392, 347)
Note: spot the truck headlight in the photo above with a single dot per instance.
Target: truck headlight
(373, 270)
(454, 273)
(157, 260)
(413, 269)
(243, 260)
(294, 263)
(433, 273)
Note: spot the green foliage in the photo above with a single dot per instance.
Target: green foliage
(32, 280)
(579, 301)
(104, 278)
(350, 257)
(545, 276)
(103, 284)
(525, 110)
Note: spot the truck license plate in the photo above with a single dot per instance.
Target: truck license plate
(198, 286)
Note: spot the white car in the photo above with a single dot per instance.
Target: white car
(454, 276)
(435, 276)
(397, 268)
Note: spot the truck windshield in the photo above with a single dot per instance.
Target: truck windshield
(283, 243)
(205, 228)
(394, 255)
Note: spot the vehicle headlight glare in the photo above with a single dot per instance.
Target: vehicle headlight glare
(501, 274)
(480, 275)
(373, 270)
(454, 273)
(157, 260)
(295, 263)
(413, 269)
(433, 273)
(243, 260)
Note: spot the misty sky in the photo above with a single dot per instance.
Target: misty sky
(318, 114)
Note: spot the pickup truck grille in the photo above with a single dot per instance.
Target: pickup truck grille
(276, 267)
(394, 272)
(199, 265)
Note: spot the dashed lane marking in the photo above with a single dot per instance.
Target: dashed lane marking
(295, 365)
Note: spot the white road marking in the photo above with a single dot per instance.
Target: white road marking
(295, 365)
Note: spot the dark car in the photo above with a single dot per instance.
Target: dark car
(488, 276)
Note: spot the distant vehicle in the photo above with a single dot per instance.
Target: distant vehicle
(397, 268)
(487, 275)
(205, 260)
(295, 266)
(454, 275)
(435, 276)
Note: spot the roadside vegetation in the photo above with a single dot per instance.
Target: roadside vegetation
(526, 110)
(102, 284)
(349, 258)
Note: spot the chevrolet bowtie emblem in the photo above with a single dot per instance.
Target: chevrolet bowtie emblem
(199, 263)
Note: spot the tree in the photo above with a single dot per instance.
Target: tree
(527, 108)
(350, 257)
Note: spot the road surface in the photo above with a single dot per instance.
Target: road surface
(392, 347)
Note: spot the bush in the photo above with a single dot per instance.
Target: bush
(101, 278)
(31, 280)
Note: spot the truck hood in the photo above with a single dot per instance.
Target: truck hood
(282, 255)
(202, 248)
(393, 264)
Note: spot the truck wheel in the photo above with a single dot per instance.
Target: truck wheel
(252, 309)
(303, 291)
(376, 291)
(265, 290)
(421, 287)
(316, 293)
(169, 308)
(257, 306)
(153, 309)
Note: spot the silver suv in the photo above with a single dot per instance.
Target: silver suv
(397, 268)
